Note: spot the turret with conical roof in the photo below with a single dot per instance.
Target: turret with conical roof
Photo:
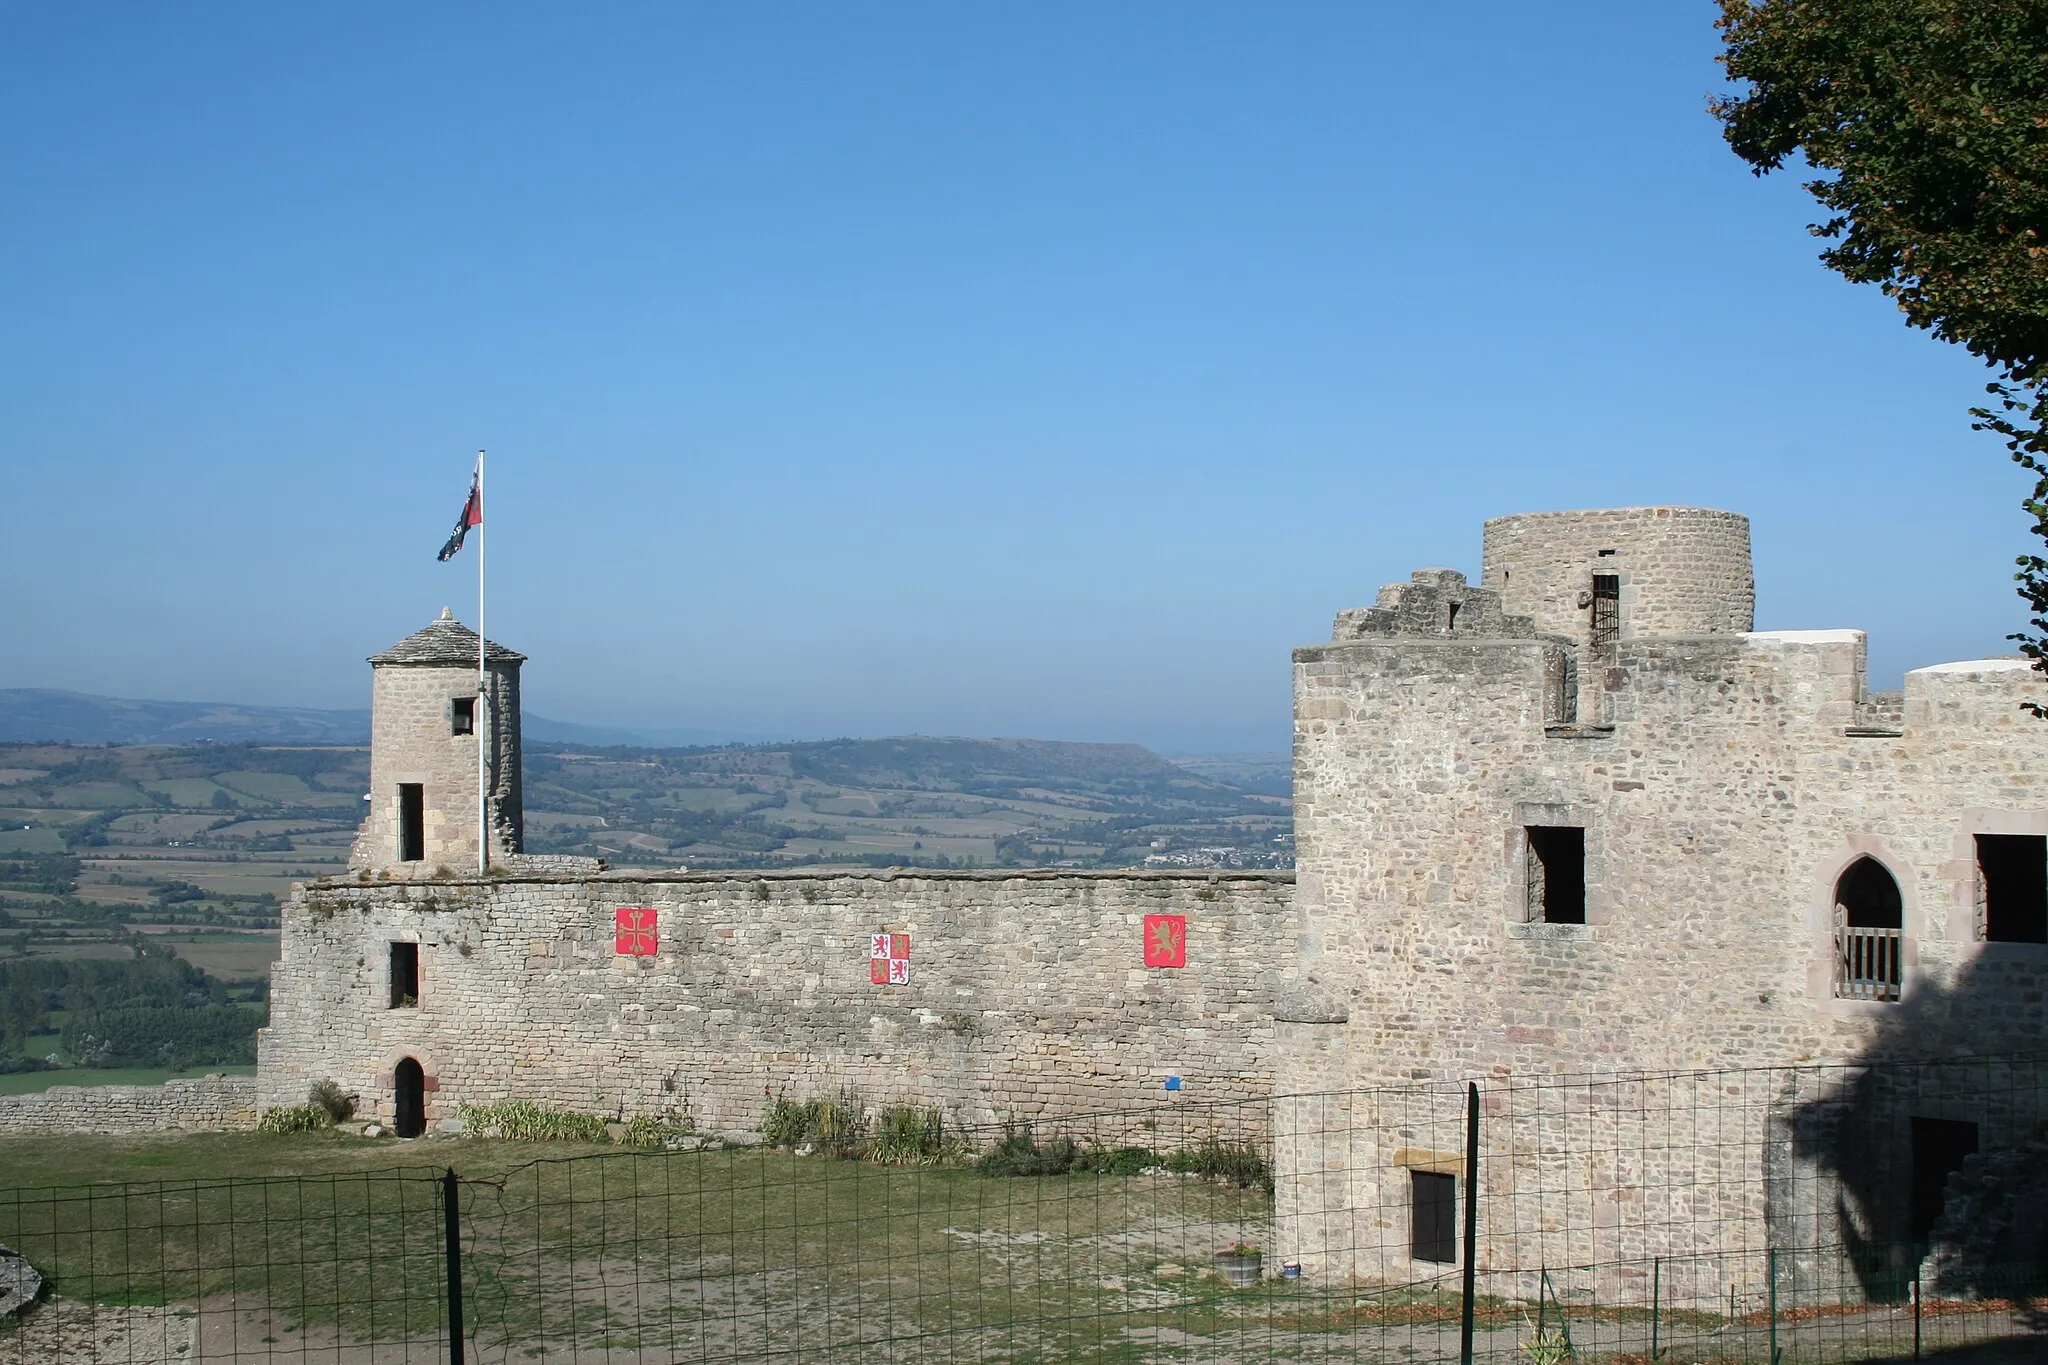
(426, 721)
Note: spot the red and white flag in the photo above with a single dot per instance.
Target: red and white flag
(472, 515)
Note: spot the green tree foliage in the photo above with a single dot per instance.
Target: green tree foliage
(32, 989)
(54, 873)
(166, 1036)
(1927, 122)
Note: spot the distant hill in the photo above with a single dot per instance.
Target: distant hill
(38, 715)
(906, 801)
(41, 714)
(1270, 774)
(233, 777)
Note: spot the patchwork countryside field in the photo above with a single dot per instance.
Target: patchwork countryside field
(114, 854)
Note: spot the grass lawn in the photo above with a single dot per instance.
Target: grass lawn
(573, 1251)
(721, 1253)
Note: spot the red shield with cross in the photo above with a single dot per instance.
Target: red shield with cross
(635, 932)
(889, 959)
(1166, 940)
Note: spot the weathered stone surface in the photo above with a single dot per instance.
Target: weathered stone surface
(1027, 996)
(211, 1104)
(414, 687)
(1723, 783)
(20, 1282)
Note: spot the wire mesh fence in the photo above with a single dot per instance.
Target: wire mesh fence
(1776, 1215)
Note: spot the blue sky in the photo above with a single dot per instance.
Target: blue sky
(1040, 370)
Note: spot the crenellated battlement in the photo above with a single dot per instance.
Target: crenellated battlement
(1433, 603)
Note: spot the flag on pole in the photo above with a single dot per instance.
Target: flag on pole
(472, 515)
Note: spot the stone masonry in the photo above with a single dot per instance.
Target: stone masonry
(416, 689)
(206, 1104)
(1574, 818)
(1027, 994)
(1721, 783)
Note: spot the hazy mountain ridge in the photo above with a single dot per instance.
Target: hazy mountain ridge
(274, 779)
(43, 714)
(49, 715)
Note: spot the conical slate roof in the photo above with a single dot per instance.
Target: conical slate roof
(446, 641)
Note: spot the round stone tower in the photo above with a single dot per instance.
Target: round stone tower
(1623, 573)
(426, 721)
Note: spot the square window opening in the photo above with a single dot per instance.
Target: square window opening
(2012, 884)
(462, 717)
(405, 976)
(1433, 1217)
(412, 822)
(1557, 874)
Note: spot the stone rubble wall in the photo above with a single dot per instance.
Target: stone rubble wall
(210, 1104)
(1028, 996)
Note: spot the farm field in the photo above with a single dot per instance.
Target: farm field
(215, 834)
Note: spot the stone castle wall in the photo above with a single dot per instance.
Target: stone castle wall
(1027, 995)
(1720, 805)
(209, 1104)
(1683, 570)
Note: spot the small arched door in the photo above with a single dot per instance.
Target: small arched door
(408, 1099)
(1870, 920)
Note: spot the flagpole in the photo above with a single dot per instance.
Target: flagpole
(483, 695)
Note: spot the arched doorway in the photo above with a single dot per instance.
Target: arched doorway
(1870, 919)
(408, 1099)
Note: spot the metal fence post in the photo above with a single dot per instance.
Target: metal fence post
(451, 1214)
(1656, 1296)
(1916, 1312)
(1471, 1219)
(1771, 1272)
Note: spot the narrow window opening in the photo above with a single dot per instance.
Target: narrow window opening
(2012, 878)
(462, 719)
(1607, 554)
(408, 1099)
(1433, 1218)
(1557, 873)
(1940, 1147)
(1451, 620)
(405, 975)
(1869, 932)
(1606, 610)
(412, 822)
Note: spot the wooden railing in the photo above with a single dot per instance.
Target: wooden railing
(1867, 962)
